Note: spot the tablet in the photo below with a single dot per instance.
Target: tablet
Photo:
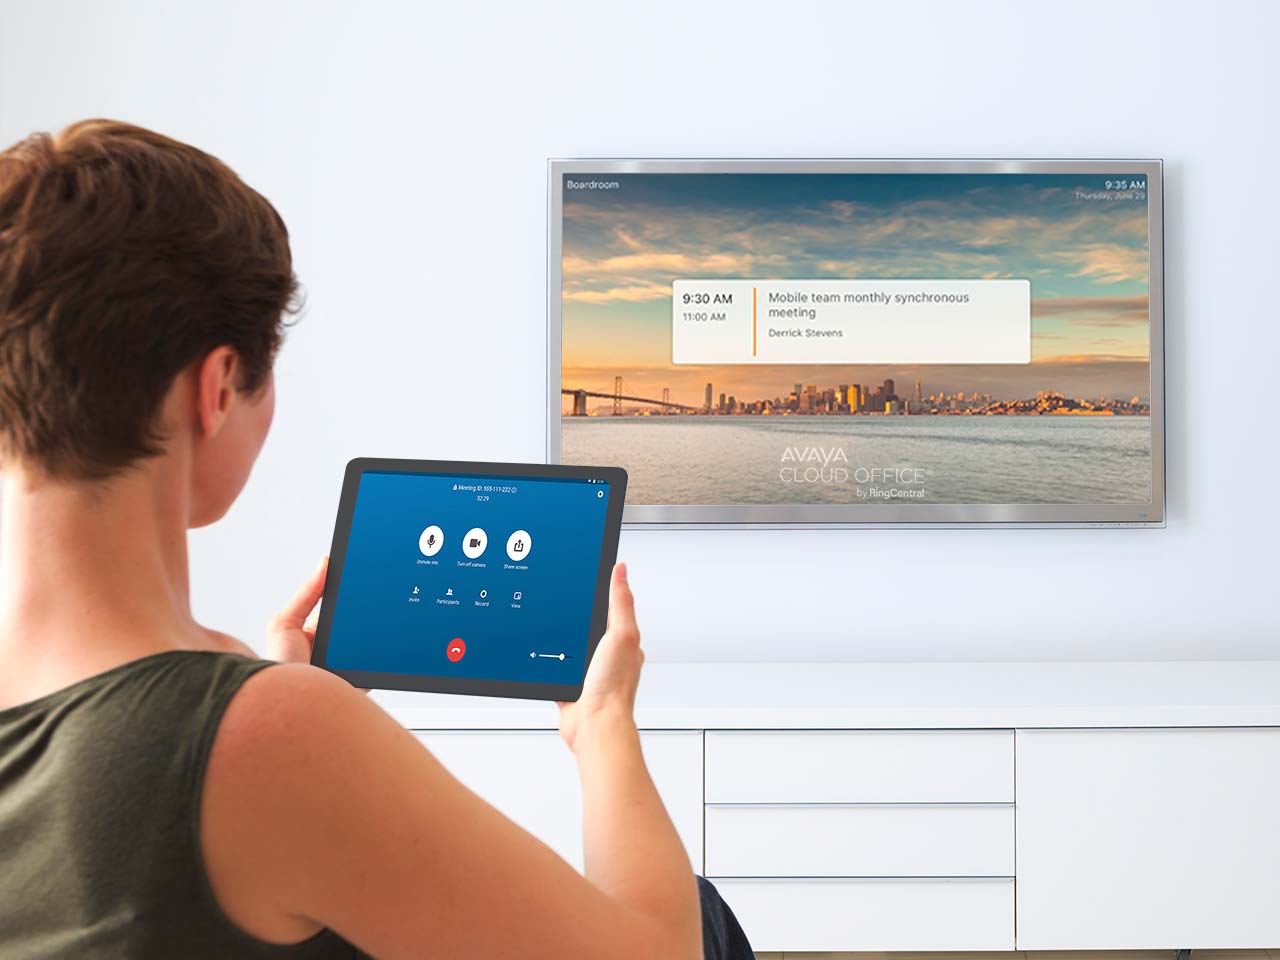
(478, 578)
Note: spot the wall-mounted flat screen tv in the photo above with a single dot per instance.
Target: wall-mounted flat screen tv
(829, 342)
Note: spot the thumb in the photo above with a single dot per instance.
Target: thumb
(622, 603)
(304, 601)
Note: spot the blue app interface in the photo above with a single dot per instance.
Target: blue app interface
(478, 577)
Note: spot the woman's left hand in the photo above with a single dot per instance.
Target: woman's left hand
(292, 631)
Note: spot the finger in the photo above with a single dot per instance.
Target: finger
(622, 603)
(296, 610)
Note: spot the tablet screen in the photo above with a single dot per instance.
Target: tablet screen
(481, 577)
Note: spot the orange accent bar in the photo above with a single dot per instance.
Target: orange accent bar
(753, 321)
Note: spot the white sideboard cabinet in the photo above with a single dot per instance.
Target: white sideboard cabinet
(915, 807)
(531, 777)
(1148, 838)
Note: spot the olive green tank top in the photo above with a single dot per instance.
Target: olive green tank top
(100, 787)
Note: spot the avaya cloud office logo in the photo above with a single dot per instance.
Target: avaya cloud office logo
(814, 465)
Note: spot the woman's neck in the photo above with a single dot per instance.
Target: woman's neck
(91, 575)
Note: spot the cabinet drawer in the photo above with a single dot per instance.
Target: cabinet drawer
(860, 841)
(874, 766)
(858, 915)
(532, 778)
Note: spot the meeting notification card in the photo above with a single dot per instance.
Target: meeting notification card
(476, 578)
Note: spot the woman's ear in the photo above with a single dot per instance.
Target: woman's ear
(217, 378)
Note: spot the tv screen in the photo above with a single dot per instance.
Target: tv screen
(850, 342)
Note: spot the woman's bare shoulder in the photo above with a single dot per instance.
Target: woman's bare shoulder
(293, 719)
(225, 643)
(322, 811)
(278, 779)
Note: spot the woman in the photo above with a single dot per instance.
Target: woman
(163, 793)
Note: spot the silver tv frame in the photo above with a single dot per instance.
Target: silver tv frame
(821, 516)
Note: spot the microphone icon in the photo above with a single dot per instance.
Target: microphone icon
(431, 540)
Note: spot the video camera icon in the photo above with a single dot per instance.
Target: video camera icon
(474, 543)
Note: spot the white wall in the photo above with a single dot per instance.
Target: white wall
(405, 145)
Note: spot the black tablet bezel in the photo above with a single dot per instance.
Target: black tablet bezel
(617, 480)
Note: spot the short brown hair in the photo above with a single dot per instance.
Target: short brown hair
(124, 257)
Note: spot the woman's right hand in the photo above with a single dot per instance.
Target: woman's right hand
(609, 689)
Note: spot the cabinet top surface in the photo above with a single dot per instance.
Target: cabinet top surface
(935, 695)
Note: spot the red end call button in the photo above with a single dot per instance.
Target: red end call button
(457, 649)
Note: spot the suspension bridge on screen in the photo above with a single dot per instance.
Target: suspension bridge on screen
(619, 396)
